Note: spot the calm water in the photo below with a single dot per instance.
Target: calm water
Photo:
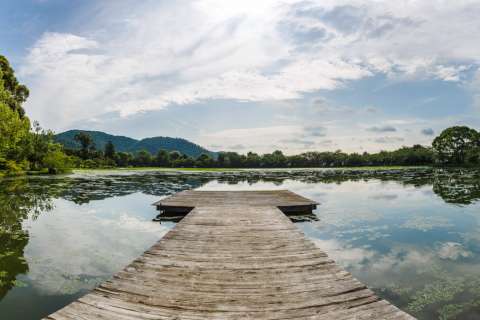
(413, 236)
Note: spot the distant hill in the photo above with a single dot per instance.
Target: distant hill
(126, 144)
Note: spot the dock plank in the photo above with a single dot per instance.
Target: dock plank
(234, 256)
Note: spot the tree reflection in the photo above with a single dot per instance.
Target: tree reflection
(457, 186)
(82, 190)
(18, 202)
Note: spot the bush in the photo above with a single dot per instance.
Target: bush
(13, 168)
(56, 162)
(90, 164)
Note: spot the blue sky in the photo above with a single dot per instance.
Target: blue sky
(250, 75)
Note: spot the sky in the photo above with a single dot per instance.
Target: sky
(249, 75)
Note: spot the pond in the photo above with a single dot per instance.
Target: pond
(412, 235)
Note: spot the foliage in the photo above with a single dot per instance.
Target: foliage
(56, 162)
(86, 144)
(109, 150)
(162, 159)
(21, 149)
(456, 145)
(123, 159)
(40, 143)
(14, 131)
(143, 158)
(12, 93)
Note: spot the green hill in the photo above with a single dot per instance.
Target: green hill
(126, 144)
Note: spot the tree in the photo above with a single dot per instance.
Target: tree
(222, 160)
(14, 93)
(252, 160)
(275, 159)
(109, 150)
(20, 148)
(174, 155)
(56, 162)
(86, 143)
(162, 158)
(13, 134)
(40, 142)
(204, 161)
(123, 159)
(14, 127)
(234, 160)
(143, 158)
(453, 144)
(183, 161)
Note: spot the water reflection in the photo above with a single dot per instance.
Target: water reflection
(18, 201)
(411, 235)
(456, 186)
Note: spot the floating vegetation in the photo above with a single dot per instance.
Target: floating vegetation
(412, 234)
(444, 294)
(443, 290)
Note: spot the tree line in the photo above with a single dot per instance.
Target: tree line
(27, 147)
(455, 146)
(88, 156)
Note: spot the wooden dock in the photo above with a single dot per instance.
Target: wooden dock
(235, 255)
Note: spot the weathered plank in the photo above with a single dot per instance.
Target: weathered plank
(235, 256)
(277, 198)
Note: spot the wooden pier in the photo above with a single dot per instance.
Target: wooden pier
(235, 255)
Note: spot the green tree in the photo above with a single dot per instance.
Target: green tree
(143, 158)
(204, 161)
(183, 161)
(175, 155)
(253, 160)
(453, 144)
(123, 159)
(13, 93)
(109, 150)
(222, 160)
(14, 127)
(56, 161)
(14, 132)
(234, 160)
(274, 160)
(86, 144)
(162, 158)
(20, 148)
(40, 142)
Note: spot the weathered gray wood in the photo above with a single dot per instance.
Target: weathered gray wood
(277, 198)
(235, 256)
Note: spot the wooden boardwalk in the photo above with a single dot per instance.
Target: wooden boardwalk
(234, 256)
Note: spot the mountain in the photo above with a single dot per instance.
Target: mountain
(121, 143)
(126, 144)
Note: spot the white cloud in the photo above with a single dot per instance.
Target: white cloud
(66, 258)
(453, 251)
(263, 132)
(156, 54)
(347, 255)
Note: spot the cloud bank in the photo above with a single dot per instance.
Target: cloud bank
(159, 54)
